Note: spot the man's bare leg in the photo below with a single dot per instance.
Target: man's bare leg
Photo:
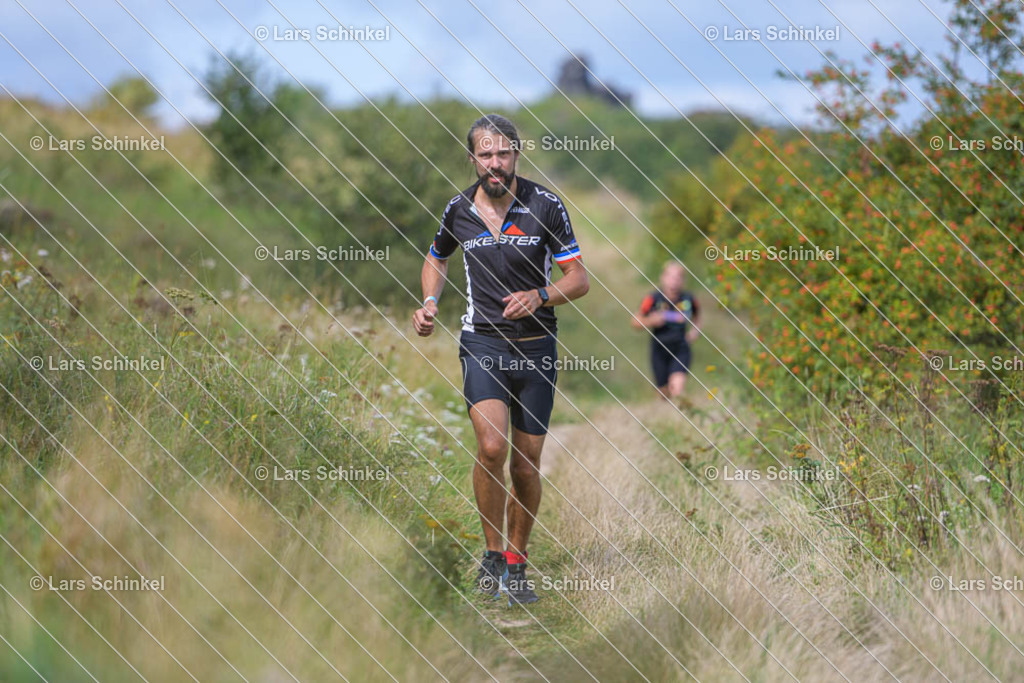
(526, 488)
(676, 384)
(490, 423)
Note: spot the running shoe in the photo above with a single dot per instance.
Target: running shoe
(492, 567)
(516, 586)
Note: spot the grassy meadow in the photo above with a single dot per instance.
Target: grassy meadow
(810, 510)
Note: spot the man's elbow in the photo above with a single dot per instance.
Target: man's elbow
(584, 283)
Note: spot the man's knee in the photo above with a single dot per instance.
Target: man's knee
(492, 451)
(524, 468)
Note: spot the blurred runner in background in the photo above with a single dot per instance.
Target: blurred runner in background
(670, 313)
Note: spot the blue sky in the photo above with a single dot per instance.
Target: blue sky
(455, 46)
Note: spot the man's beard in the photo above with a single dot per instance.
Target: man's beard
(497, 190)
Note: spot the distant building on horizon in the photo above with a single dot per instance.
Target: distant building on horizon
(574, 79)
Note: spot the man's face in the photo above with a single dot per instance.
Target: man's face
(673, 278)
(495, 161)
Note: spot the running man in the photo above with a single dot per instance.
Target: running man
(510, 230)
(667, 312)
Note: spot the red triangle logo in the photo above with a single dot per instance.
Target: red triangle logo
(513, 229)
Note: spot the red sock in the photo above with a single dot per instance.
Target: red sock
(516, 558)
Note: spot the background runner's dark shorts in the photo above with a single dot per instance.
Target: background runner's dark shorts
(669, 358)
(522, 374)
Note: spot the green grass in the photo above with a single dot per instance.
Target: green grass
(320, 378)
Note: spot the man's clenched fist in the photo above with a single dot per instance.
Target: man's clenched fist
(423, 319)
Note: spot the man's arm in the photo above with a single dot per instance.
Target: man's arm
(648, 320)
(645, 318)
(573, 284)
(432, 279)
(694, 332)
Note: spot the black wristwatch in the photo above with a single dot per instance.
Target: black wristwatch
(543, 295)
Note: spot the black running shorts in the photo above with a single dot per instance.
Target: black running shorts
(667, 359)
(520, 373)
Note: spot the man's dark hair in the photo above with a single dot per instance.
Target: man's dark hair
(496, 123)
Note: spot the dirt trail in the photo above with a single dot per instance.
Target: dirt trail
(678, 554)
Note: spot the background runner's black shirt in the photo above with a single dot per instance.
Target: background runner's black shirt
(671, 332)
(536, 232)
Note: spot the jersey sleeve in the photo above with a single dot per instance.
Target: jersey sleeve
(444, 243)
(560, 235)
(647, 304)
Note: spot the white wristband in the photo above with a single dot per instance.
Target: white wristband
(430, 298)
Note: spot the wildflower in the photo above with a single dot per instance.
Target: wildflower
(42, 253)
(177, 294)
(981, 478)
